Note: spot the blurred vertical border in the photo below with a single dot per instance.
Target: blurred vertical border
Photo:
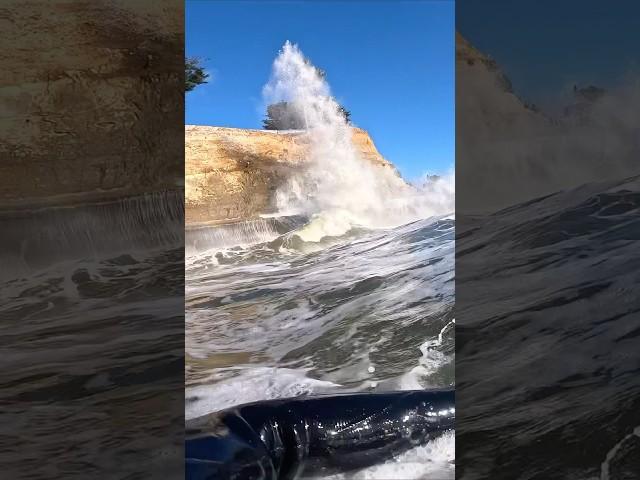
(547, 240)
(92, 239)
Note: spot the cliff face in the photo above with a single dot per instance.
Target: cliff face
(497, 136)
(485, 96)
(232, 174)
(93, 115)
(508, 152)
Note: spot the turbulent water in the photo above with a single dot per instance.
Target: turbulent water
(369, 309)
(561, 273)
(92, 341)
(350, 287)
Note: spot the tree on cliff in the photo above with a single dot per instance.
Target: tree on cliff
(284, 115)
(346, 113)
(322, 74)
(194, 74)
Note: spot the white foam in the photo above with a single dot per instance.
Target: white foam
(251, 385)
(327, 224)
(337, 179)
(433, 460)
(432, 359)
(611, 454)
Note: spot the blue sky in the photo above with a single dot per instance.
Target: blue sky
(391, 63)
(547, 46)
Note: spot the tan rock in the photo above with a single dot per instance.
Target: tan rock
(97, 114)
(231, 174)
(494, 128)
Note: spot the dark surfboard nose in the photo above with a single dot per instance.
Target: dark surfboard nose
(280, 439)
(354, 431)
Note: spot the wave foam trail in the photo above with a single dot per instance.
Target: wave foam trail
(433, 460)
(339, 189)
(431, 361)
(252, 385)
(611, 455)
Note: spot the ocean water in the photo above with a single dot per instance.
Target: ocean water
(92, 341)
(349, 286)
(269, 315)
(556, 276)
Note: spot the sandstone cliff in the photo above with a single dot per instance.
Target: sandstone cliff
(486, 99)
(497, 136)
(232, 174)
(95, 115)
(508, 151)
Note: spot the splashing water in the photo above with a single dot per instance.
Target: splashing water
(435, 460)
(370, 312)
(574, 334)
(339, 189)
(348, 287)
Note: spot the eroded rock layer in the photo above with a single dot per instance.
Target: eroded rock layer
(232, 174)
(96, 115)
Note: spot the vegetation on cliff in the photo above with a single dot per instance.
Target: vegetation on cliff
(286, 116)
(194, 74)
(232, 174)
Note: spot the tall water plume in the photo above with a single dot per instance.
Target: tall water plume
(339, 189)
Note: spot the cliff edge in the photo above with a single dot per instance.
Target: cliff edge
(508, 151)
(232, 174)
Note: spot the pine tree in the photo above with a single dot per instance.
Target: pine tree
(194, 74)
(282, 116)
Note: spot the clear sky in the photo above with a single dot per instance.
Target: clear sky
(547, 46)
(391, 63)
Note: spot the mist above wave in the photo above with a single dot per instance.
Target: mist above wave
(339, 189)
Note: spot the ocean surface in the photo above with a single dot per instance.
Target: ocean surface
(548, 331)
(92, 341)
(269, 315)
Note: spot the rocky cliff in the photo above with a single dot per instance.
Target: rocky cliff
(485, 96)
(95, 115)
(508, 151)
(232, 174)
(498, 135)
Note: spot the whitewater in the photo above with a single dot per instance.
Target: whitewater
(348, 287)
